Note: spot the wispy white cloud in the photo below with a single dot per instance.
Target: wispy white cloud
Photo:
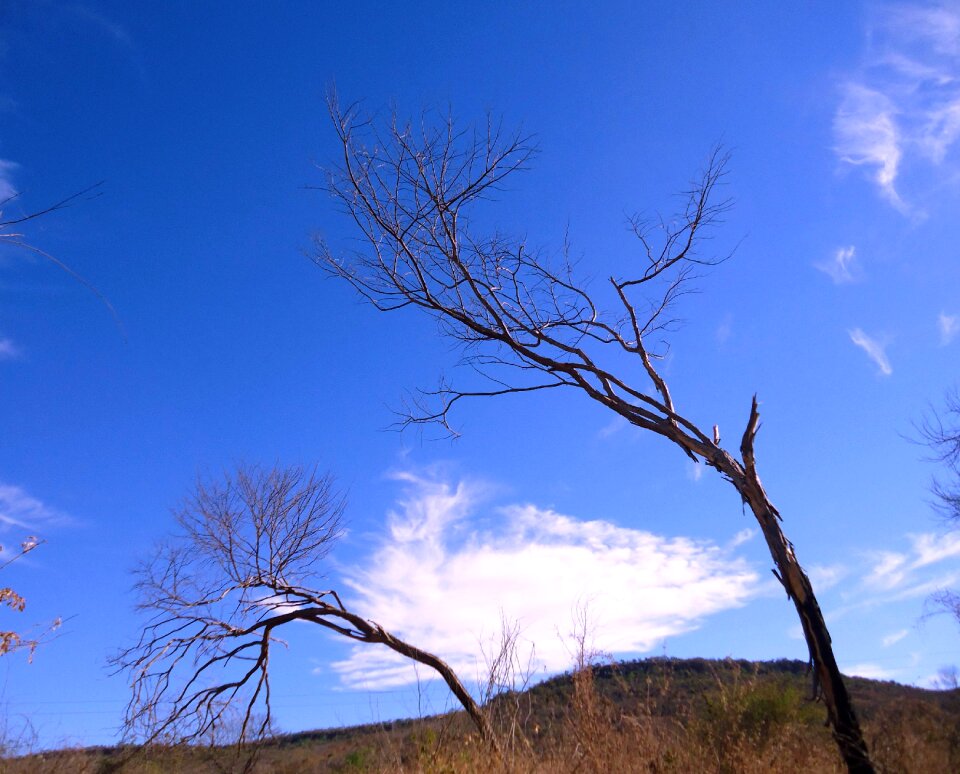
(887, 584)
(8, 350)
(446, 576)
(946, 679)
(106, 25)
(612, 427)
(930, 549)
(949, 326)
(898, 570)
(886, 579)
(7, 189)
(843, 267)
(924, 588)
(725, 329)
(825, 577)
(743, 536)
(889, 570)
(894, 637)
(873, 348)
(866, 134)
(870, 671)
(922, 29)
(21, 511)
(694, 471)
(903, 104)
(795, 632)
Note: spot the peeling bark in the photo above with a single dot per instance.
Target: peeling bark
(828, 683)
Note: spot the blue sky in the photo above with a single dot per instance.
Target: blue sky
(207, 123)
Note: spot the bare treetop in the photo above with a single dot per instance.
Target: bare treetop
(215, 592)
(264, 526)
(410, 193)
(941, 432)
(243, 566)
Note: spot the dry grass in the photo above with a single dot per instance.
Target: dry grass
(600, 720)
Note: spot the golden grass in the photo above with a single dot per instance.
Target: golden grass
(737, 722)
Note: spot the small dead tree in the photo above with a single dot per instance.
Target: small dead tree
(245, 565)
(528, 323)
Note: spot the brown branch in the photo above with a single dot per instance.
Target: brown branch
(240, 571)
(494, 296)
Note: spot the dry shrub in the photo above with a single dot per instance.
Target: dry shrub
(914, 737)
(749, 725)
(605, 718)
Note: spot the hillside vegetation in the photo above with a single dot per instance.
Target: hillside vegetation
(654, 715)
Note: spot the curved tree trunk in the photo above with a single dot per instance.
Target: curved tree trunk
(477, 715)
(828, 682)
(365, 630)
(539, 319)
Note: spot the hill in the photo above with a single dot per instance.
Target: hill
(652, 715)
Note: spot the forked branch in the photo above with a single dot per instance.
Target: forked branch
(527, 323)
(18, 239)
(245, 566)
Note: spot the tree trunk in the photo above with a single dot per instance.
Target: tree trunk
(476, 714)
(372, 632)
(828, 682)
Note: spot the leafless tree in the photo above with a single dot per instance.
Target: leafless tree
(529, 323)
(245, 564)
(940, 431)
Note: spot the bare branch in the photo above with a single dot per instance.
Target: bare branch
(93, 190)
(23, 640)
(243, 567)
(528, 323)
(16, 239)
(940, 431)
(408, 192)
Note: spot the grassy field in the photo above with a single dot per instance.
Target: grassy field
(655, 715)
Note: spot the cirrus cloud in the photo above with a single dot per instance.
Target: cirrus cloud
(866, 134)
(7, 189)
(905, 572)
(843, 267)
(949, 326)
(902, 106)
(20, 510)
(874, 349)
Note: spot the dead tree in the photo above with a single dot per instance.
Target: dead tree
(940, 431)
(528, 323)
(244, 565)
